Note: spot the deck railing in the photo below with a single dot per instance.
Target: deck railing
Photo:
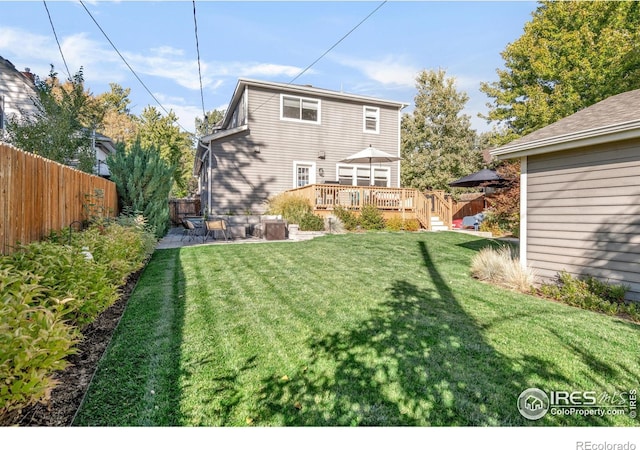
(423, 205)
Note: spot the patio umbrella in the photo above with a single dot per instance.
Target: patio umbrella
(370, 155)
(485, 177)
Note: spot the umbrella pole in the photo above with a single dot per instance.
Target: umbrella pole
(370, 173)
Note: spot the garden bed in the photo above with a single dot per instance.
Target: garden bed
(73, 382)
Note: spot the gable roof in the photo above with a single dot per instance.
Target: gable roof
(613, 119)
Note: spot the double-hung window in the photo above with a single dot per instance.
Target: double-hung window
(299, 109)
(371, 119)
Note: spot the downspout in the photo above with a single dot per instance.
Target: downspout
(209, 179)
(399, 143)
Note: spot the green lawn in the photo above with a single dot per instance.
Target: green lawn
(358, 329)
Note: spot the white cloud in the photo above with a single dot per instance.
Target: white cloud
(186, 113)
(389, 70)
(265, 70)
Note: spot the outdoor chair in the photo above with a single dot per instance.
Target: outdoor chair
(215, 225)
(190, 229)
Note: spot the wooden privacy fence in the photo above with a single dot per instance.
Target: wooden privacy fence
(179, 208)
(38, 196)
(469, 205)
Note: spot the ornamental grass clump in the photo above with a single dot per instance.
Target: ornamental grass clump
(292, 208)
(501, 266)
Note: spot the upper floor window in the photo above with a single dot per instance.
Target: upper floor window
(371, 119)
(299, 108)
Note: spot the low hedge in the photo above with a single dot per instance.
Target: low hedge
(49, 291)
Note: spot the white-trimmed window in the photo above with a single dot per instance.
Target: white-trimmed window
(304, 173)
(299, 109)
(360, 175)
(371, 119)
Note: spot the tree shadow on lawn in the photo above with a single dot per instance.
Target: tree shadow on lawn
(420, 360)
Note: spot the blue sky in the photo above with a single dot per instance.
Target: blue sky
(264, 40)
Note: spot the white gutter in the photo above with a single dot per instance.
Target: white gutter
(209, 179)
(223, 134)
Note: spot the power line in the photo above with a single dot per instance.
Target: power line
(325, 53)
(130, 68)
(57, 41)
(195, 23)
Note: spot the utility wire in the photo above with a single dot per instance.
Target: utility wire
(130, 68)
(57, 41)
(325, 53)
(195, 24)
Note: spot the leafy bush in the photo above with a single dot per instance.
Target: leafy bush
(591, 294)
(122, 249)
(412, 225)
(394, 223)
(498, 225)
(34, 341)
(501, 266)
(311, 222)
(371, 218)
(49, 290)
(348, 219)
(292, 208)
(68, 274)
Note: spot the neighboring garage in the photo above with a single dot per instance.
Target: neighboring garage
(580, 193)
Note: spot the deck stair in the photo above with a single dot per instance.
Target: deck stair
(437, 224)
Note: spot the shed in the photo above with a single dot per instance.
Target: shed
(580, 193)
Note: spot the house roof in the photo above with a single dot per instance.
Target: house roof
(613, 119)
(26, 76)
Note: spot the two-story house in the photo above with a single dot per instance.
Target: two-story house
(17, 94)
(276, 136)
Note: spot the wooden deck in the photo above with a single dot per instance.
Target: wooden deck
(404, 202)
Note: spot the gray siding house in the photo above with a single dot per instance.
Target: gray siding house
(275, 137)
(17, 93)
(580, 193)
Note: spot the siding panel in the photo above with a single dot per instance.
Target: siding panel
(583, 213)
(258, 165)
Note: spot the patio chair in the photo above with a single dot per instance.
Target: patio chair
(215, 225)
(190, 229)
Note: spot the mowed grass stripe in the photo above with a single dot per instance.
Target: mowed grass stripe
(362, 329)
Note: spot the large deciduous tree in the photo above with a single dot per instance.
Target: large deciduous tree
(206, 125)
(62, 125)
(118, 123)
(175, 146)
(438, 144)
(571, 55)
